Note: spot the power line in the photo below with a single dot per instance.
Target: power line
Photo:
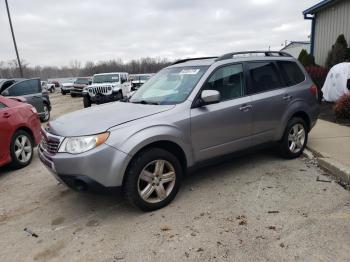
(14, 40)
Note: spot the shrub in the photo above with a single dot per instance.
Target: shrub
(302, 55)
(342, 107)
(318, 74)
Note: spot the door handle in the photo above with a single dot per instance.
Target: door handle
(6, 115)
(287, 97)
(245, 108)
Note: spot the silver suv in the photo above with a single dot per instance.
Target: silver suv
(192, 111)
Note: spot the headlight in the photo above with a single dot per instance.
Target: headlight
(77, 145)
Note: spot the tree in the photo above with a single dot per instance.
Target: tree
(302, 55)
(306, 59)
(338, 53)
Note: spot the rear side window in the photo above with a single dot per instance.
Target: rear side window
(26, 87)
(228, 80)
(264, 77)
(291, 72)
(2, 106)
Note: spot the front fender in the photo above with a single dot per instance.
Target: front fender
(133, 142)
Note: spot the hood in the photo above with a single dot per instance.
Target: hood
(100, 118)
(104, 84)
(67, 84)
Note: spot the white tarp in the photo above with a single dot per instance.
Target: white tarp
(335, 85)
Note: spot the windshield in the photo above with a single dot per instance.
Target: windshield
(82, 81)
(110, 78)
(169, 86)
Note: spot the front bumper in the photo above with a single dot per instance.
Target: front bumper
(104, 165)
(101, 98)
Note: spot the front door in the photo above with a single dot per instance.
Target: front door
(224, 127)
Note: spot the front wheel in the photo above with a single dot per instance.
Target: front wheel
(21, 149)
(153, 179)
(63, 92)
(294, 139)
(46, 116)
(86, 101)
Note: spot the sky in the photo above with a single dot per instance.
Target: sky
(56, 33)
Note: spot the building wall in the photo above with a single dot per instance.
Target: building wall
(330, 23)
(295, 49)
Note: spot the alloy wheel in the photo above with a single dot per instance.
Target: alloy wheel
(296, 138)
(23, 149)
(156, 181)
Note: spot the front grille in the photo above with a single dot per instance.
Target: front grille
(100, 90)
(50, 144)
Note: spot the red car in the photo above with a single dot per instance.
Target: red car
(19, 132)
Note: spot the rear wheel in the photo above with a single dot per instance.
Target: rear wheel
(63, 92)
(153, 179)
(294, 139)
(21, 149)
(86, 101)
(72, 94)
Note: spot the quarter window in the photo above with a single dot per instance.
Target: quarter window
(264, 77)
(291, 73)
(228, 81)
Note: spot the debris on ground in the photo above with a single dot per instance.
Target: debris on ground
(282, 245)
(271, 227)
(273, 212)
(165, 228)
(323, 180)
(200, 249)
(242, 220)
(31, 233)
(187, 254)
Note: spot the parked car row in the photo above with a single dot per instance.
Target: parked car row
(105, 87)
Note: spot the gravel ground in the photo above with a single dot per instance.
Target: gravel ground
(254, 208)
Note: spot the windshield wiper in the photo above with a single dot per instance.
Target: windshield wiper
(144, 102)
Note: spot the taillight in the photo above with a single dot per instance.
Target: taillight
(314, 90)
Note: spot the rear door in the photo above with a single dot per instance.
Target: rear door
(31, 90)
(224, 127)
(267, 90)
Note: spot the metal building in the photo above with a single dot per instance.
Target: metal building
(294, 47)
(330, 18)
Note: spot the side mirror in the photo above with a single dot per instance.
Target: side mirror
(210, 97)
(5, 93)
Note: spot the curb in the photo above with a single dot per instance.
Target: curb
(337, 169)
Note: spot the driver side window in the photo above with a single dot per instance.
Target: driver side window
(228, 80)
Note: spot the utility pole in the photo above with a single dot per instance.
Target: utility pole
(14, 40)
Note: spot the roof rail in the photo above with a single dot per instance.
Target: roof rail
(266, 53)
(190, 59)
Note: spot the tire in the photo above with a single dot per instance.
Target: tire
(295, 124)
(46, 116)
(160, 193)
(72, 95)
(86, 101)
(18, 159)
(119, 96)
(63, 92)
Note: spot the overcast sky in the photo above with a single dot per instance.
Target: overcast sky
(57, 32)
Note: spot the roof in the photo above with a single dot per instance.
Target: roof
(296, 42)
(314, 9)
